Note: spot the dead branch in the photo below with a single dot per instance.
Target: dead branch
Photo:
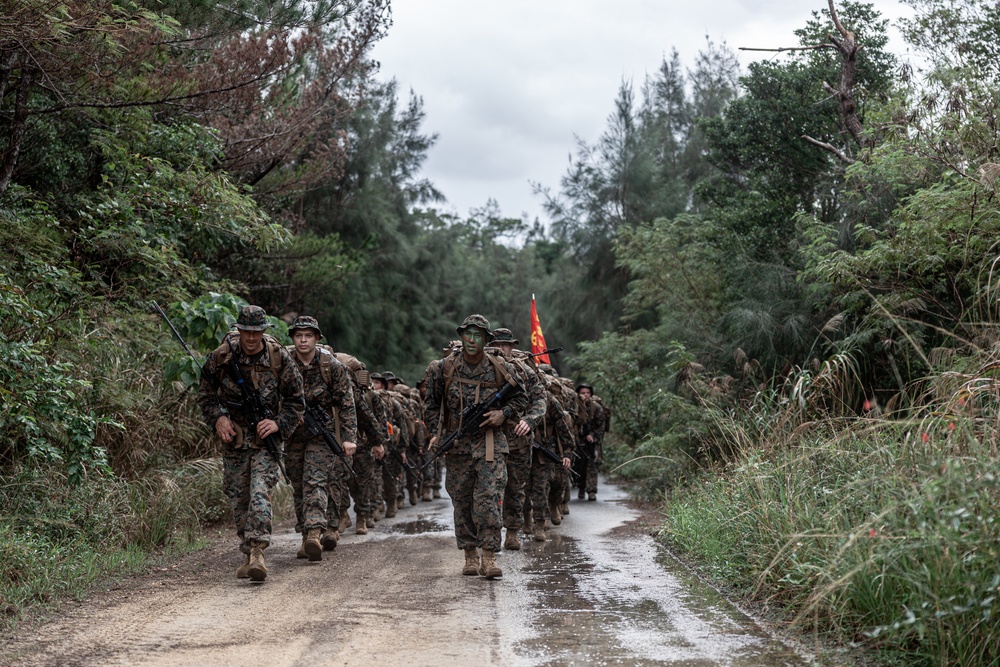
(843, 157)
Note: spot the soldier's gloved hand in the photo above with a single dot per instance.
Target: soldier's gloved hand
(266, 427)
(493, 418)
(522, 428)
(378, 451)
(224, 428)
(349, 448)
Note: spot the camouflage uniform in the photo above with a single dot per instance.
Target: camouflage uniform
(371, 433)
(589, 463)
(553, 433)
(392, 470)
(249, 471)
(519, 457)
(312, 465)
(476, 467)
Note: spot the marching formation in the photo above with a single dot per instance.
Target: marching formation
(507, 436)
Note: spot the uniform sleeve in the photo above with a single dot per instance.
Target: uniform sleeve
(560, 418)
(292, 397)
(399, 419)
(536, 399)
(381, 412)
(432, 401)
(597, 425)
(343, 400)
(518, 402)
(208, 399)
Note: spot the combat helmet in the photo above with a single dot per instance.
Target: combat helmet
(478, 321)
(504, 335)
(252, 318)
(305, 322)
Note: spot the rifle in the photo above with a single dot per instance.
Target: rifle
(551, 456)
(255, 411)
(547, 350)
(316, 420)
(471, 418)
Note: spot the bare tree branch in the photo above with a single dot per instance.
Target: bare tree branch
(843, 157)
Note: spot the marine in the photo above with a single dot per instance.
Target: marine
(312, 465)
(476, 465)
(259, 362)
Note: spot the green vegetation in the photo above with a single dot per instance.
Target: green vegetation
(804, 369)
(785, 291)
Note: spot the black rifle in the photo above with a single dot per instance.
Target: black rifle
(547, 350)
(551, 456)
(397, 457)
(255, 411)
(472, 416)
(316, 421)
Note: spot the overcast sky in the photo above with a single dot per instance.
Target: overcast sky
(507, 84)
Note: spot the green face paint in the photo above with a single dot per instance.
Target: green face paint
(473, 341)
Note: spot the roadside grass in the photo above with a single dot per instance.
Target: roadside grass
(880, 532)
(57, 540)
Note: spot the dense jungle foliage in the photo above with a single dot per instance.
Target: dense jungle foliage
(781, 280)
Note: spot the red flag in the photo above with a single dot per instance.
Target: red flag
(537, 337)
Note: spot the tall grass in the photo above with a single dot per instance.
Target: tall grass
(883, 531)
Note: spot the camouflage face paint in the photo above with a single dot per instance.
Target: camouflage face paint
(473, 341)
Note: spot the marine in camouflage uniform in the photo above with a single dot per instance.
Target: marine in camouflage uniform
(519, 435)
(312, 465)
(555, 434)
(476, 466)
(591, 432)
(391, 468)
(433, 474)
(249, 471)
(373, 439)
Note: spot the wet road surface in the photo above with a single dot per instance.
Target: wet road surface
(597, 593)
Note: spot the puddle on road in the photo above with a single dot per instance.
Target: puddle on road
(599, 599)
(419, 526)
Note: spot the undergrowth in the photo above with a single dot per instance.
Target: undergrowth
(880, 531)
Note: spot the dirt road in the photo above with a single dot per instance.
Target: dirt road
(599, 592)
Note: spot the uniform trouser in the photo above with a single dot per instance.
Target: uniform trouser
(558, 485)
(538, 488)
(432, 475)
(310, 466)
(587, 470)
(518, 471)
(338, 490)
(248, 477)
(363, 487)
(414, 476)
(476, 488)
(391, 487)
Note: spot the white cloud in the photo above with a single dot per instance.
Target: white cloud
(508, 84)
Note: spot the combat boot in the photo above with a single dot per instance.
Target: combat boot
(362, 525)
(489, 567)
(471, 562)
(390, 510)
(437, 493)
(539, 532)
(591, 496)
(564, 508)
(330, 539)
(345, 521)
(400, 502)
(244, 570)
(427, 496)
(312, 546)
(511, 543)
(369, 521)
(257, 569)
(556, 515)
(301, 553)
(413, 495)
(579, 494)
